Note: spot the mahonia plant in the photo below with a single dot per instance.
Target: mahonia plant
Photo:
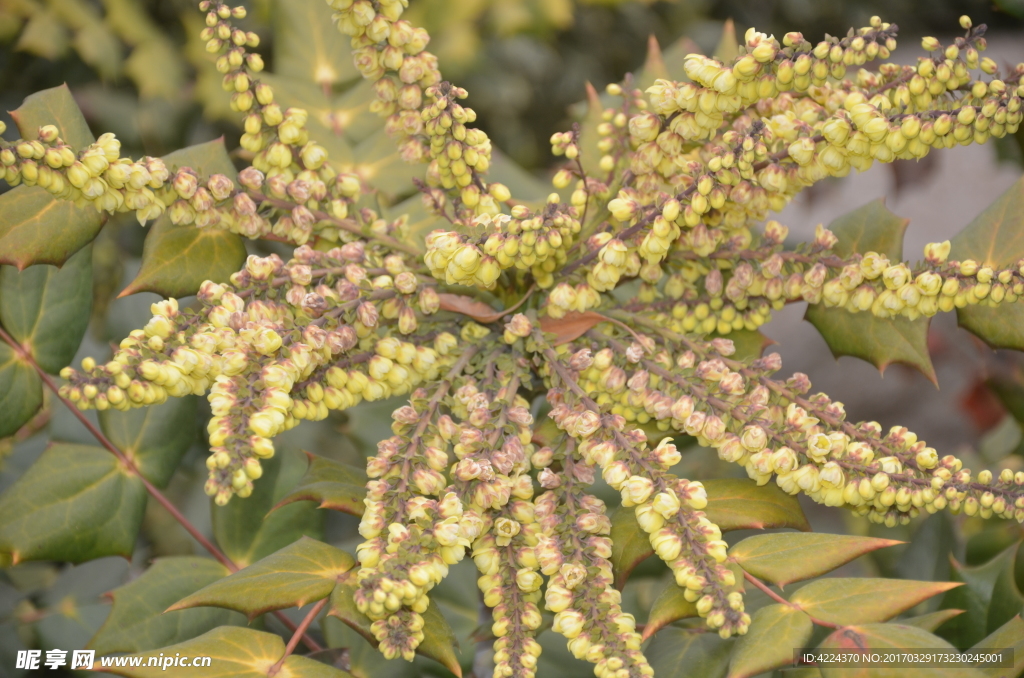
(360, 312)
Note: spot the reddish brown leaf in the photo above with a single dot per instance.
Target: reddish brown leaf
(982, 406)
(477, 310)
(573, 326)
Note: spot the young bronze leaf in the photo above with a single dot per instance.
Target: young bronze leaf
(233, 652)
(883, 637)
(333, 484)
(794, 556)
(669, 606)
(177, 259)
(572, 325)
(36, 227)
(774, 632)
(137, 620)
(75, 503)
(994, 239)
(880, 341)
(300, 573)
(46, 308)
(850, 600)
(474, 308)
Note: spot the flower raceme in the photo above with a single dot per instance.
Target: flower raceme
(684, 177)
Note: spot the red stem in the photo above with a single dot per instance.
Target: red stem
(779, 599)
(298, 635)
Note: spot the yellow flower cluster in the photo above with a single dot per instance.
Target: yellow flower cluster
(533, 242)
(278, 344)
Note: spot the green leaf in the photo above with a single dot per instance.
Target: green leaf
(793, 556)
(21, 392)
(37, 228)
(75, 503)
(298, 574)
(733, 504)
(154, 437)
(1011, 636)
(234, 652)
(880, 341)
(137, 620)
(851, 600)
(177, 259)
(740, 504)
(689, 653)
(976, 597)
(749, 344)
(333, 484)
(44, 36)
(669, 606)
(888, 637)
(932, 620)
(774, 632)
(243, 529)
(995, 239)
(439, 641)
(46, 309)
(306, 44)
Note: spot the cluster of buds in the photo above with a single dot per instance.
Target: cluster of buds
(691, 169)
(537, 243)
(279, 343)
(668, 508)
(96, 175)
(889, 290)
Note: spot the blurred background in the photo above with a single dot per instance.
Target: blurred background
(136, 68)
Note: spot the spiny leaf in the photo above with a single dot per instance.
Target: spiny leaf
(177, 259)
(234, 652)
(154, 437)
(888, 637)
(880, 341)
(333, 484)
(688, 653)
(1010, 636)
(75, 503)
(794, 556)
(243, 529)
(733, 504)
(995, 238)
(137, 620)
(37, 228)
(21, 392)
(298, 574)
(850, 600)
(774, 631)
(975, 597)
(46, 309)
